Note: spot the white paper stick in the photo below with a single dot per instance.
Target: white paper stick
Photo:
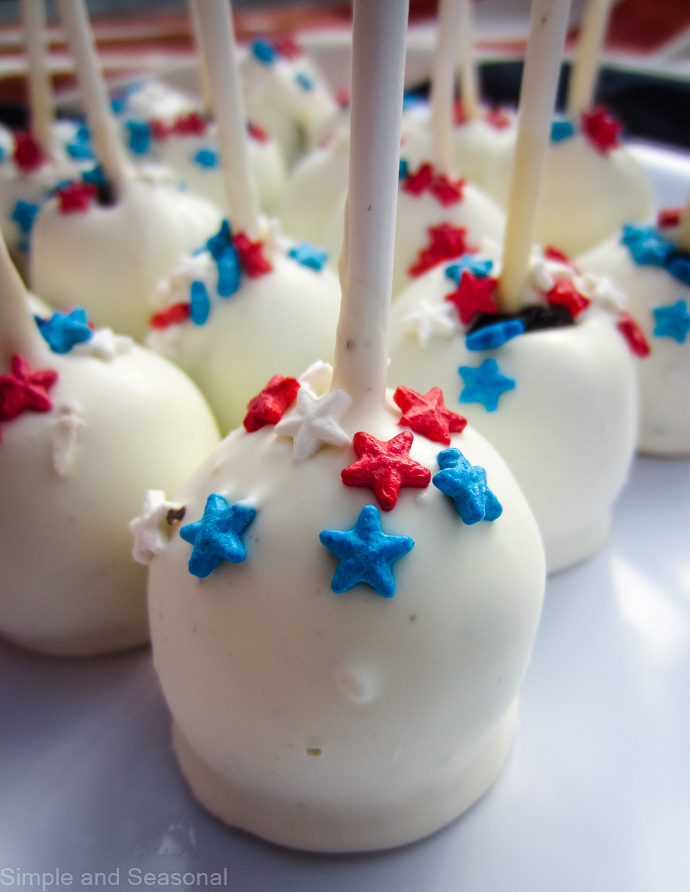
(18, 332)
(469, 91)
(40, 89)
(218, 44)
(548, 25)
(443, 81)
(203, 71)
(583, 76)
(102, 123)
(378, 68)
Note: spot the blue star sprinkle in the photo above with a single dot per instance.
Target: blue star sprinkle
(679, 266)
(305, 82)
(672, 322)
(199, 303)
(64, 330)
(561, 130)
(23, 215)
(138, 137)
(207, 158)
(475, 265)
(646, 246)
(96, 176)
(220, 241)
(228, 265)
(403, 167)
(118, 104)
(484, 384)
(308, 255)
(365, 553)
(264, 52)
(217, 536)
(494, 335)
(467, 487)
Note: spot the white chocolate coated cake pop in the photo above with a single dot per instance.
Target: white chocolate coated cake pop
(87, 419)
(342, 665)
(650, 265)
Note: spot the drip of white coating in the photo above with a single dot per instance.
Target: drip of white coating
(583, 76)
(40, 92)
(18, 334)
(361, 352)
(218, 42)
(548, 25)
(104, 128)
(469, 92)
(683, 238)
(443, 81)
(206, 100)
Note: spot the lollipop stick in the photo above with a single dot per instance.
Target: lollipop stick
(443, 81)
(203, 71)
(585, 68)
(218, 45)
(378, 67)
(104, 128)
(548, 24)
(40, 92)
(18, 334)
(469, 92)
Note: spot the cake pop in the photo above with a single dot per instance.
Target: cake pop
(86, 422)
(531, 350)
(342, 665)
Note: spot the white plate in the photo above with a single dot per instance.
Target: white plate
(595, 794)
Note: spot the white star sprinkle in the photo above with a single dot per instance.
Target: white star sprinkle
(313, 422)
(152, 530)
(430, 319)
(317, 377)
(104, 344)
(603, 291)
(67, 429)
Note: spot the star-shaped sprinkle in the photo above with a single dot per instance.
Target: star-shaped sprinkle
(646, 246)
(28, 154)
(257, 132)
(672, 322)
(199, 303)
(190, 124)
(76, 197)
(418, 182)
(565, 294)
(446, 191)
(269, 406)
(317, 377)
(104, 344)
(669, 218)
(633, 334)
(217, 244)
(251, 255)
(307, 255)
(386, 466)
(263, 52)
(175, 314)
(138, 137)
(429, 319)
(305, 82)
(445, 243)
(365, 554)
(466, 485)
(479, 267)
(24, 214)
(561, 130)
(229, 275)
(601, 130)
(154, 526)
(314, 422)
(490, 336)
(80, 151)
(68, 427)
(484, 384)
(473, 295)
(427, 415)
(218, 535)
(207, 158)
(25, 389)
(63, 330)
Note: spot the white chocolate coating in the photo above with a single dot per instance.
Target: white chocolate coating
(585, 196)
(109, 258)
(73, 478)
(155, 99)
(278, 323)
(567, 431)
(664, 376)
(345, 722)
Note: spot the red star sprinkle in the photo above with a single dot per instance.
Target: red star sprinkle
(601, 129)
(669, 217)
(445, 242)
(459, 116)
(633, 335)
(28, 154)
(269, 406)
(385, 466)
(251, 255)
(342, 97)
(446, 191)
(258, 133)
(416, 183)
(565, 294)
(551, 253)
(76, 197)
(25, 389)
(191, 124)
(498, 119)
(172, 315)
(288, 48)
(473, 295)
(427, 415)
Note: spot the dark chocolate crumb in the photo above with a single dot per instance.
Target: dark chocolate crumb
(175, 515)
